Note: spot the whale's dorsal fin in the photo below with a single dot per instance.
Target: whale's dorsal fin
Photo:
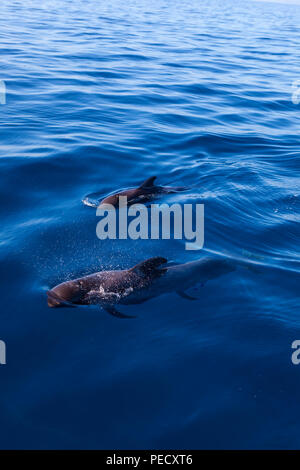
(149, 267)
(148, 183)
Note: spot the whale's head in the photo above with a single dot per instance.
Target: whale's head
(113, 200)
(119, 200)
(64, 295)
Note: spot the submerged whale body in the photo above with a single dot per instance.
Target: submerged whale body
(143, 193)
(144, 281)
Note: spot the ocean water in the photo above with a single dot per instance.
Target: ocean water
(101, 95)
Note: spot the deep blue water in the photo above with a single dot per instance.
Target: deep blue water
(100, 96)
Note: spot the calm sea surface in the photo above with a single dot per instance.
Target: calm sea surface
(102, 95)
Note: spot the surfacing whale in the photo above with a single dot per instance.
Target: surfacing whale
(142, 194)
(142, 282)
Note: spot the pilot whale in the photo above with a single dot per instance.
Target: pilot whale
(147, 191)
(148, 279)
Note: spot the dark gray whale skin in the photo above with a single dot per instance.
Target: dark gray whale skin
(144, 193)
(144, 281)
